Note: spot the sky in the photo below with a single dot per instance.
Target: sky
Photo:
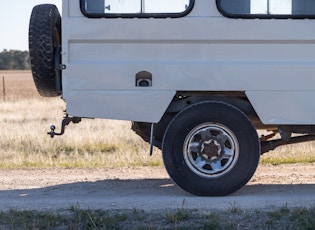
(14, 22)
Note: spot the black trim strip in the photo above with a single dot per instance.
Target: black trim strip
(141, 15)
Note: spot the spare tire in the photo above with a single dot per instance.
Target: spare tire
(44, 40)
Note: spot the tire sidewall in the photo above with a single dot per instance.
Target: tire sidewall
(213, 112)
(44, 37)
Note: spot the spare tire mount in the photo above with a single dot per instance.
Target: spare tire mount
(45, 49)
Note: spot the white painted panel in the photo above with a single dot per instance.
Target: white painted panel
(284, 107)
(74, 8)
(272, 60)
(203, 76)
(191, 66)
(142, 106)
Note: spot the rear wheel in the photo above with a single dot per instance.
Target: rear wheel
(211, 149)
(44, 40)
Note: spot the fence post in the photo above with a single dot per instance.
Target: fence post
(3, 86)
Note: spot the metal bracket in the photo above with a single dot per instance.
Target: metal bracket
(267, 146)
(151, 139)
(58, 69)
(66, 121)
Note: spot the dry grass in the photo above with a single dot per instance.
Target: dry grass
(291, 154)
(25, 118)
(18, 85)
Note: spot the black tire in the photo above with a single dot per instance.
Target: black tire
(44, 38)
(211, 149)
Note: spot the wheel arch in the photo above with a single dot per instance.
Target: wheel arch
(184, 99)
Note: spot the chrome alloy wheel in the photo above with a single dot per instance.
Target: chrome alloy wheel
(211, 150)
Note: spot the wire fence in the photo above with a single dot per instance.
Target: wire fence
(17, 85)
(3, 88)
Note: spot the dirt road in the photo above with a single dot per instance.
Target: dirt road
(148, 189)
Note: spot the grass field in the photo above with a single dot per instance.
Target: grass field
(25, 118)
(233, 218)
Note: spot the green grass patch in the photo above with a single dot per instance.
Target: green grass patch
(75, 218)
(177, 216)
(277, 159)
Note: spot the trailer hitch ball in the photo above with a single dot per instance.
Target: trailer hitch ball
(52, 131)
(64, 123)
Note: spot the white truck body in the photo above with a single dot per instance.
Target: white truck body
(272, 61)
(197, 78)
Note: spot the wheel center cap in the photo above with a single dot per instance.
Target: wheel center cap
(211, 149)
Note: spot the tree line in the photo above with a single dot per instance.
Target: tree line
(14, 60)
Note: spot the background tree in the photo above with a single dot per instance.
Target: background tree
(14, 60)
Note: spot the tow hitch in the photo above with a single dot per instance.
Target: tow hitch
(66, 121)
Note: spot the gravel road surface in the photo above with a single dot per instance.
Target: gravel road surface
(149, 188)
